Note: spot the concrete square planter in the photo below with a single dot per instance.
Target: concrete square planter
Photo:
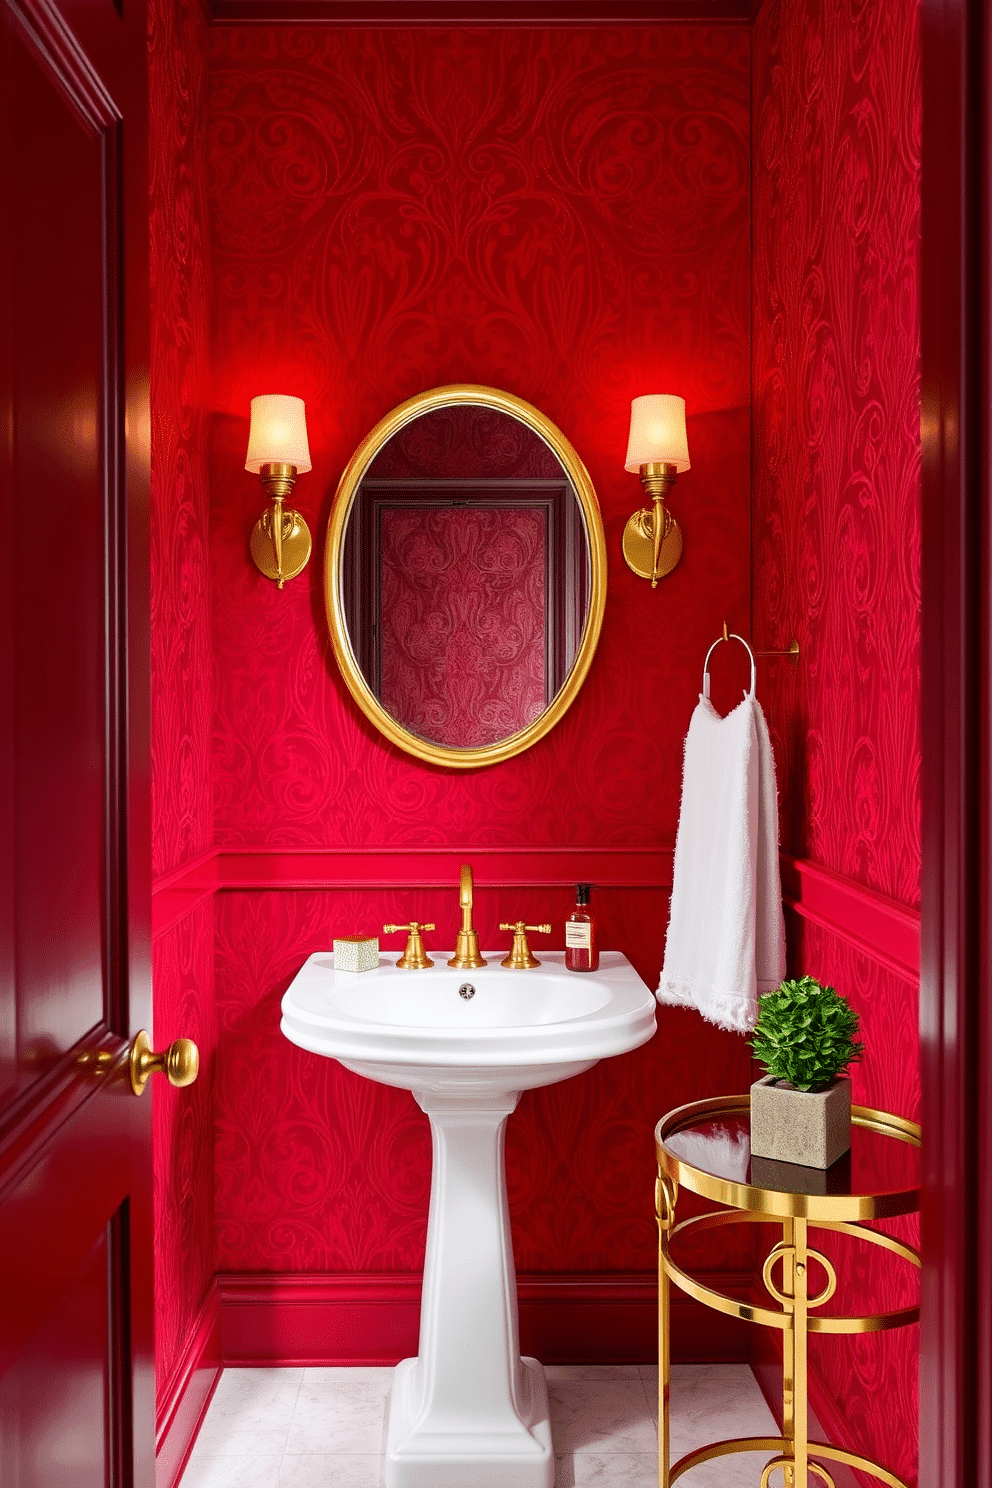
(810, 1127)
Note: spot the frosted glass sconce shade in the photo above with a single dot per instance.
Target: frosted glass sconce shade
(657, 451)
(657, 432)
(278, 433)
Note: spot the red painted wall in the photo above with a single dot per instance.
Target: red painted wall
(836, 490)
(182, 663)
(564, 214)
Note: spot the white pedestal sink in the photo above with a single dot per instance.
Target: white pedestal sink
(468, 1411)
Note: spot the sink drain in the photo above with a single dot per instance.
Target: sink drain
(466, 990)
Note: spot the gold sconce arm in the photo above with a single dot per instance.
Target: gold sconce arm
(652, 539)
(280, 542)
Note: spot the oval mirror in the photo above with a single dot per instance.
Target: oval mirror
(465, 575)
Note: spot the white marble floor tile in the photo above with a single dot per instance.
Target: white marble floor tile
(601, 1416)
(249, 1398)
(330, 1470)
(221, 1437)
(376, 1380)
(554, 1373)
(339, 1411)
(715, 1402)
(325, 1428)
(616, 1470)
(232, 1471)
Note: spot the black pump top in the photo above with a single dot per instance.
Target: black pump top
(582, 893)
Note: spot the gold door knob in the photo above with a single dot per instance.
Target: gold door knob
(179, 1063)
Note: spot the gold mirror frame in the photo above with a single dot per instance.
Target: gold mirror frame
(405, 413)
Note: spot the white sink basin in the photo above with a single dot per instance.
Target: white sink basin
(468, 1412)
(409, 1022)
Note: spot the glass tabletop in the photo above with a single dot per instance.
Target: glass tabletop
(711, 1139)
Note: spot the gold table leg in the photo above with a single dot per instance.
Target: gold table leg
(666, 1195)
(800, 1315)
(788, 1354)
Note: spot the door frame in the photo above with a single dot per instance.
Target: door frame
(956, 937)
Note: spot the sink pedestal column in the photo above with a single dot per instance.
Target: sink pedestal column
(468, 1412)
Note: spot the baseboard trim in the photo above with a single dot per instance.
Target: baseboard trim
(375, 1319)
(188, 1394)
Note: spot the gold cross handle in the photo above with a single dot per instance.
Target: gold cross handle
(520, 958)
(414, 958)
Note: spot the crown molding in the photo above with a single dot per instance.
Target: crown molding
(378, 13)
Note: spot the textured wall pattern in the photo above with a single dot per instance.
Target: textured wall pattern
(837, 427)
(183, 981)
(464, 594)
(561, 214)
(181, 660)
(318, 1169)
(182, 667)
(837, 539)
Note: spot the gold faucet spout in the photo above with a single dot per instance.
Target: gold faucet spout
(466, 955)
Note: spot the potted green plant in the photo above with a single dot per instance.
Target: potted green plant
(806, 1037)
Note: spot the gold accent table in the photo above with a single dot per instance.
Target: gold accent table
(705, 1148)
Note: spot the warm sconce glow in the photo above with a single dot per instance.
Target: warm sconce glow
(278, 451)
(657, 451)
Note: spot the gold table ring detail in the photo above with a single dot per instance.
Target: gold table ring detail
(783, 1253)
(787, 1464)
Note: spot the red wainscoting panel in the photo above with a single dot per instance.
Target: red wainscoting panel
(183, 989)
(188, 1393)
(320, 1170)
(836, 488)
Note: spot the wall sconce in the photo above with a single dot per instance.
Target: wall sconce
(657, 452)
(278, 451)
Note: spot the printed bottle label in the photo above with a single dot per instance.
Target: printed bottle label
(578, 935)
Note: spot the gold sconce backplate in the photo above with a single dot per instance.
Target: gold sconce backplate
(296, 544)
(638, 544)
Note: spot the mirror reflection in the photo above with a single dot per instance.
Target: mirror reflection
(465, 576)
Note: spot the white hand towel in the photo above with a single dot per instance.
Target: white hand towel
(726, 933)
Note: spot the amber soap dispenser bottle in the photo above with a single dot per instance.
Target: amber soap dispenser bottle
(581, 940)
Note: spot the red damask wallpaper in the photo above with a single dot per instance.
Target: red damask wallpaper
(181, 657)
(465, 442)
(463, 635)
(563, 214)
(836, 490)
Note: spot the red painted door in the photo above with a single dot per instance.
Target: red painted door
(76, 1370)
